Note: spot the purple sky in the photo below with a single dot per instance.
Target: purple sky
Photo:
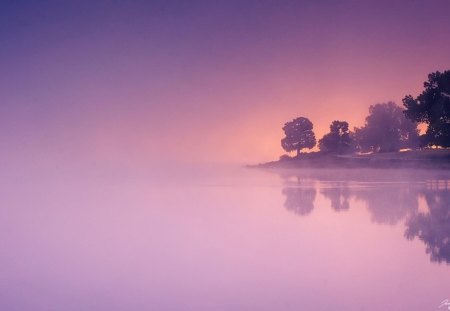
(137, 81)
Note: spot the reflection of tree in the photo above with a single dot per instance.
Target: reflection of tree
(388, 204)
(433, 228)
(300, 200)
(339, 196)
(390, 198)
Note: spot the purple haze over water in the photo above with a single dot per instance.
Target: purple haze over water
(116, 118)
(224, 239)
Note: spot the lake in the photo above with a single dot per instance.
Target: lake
(225, 238)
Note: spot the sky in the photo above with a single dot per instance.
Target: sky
(138, 82)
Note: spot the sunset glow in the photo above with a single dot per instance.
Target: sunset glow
(204, 80)
(215, 155)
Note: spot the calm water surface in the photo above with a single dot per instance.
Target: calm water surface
(225, 239)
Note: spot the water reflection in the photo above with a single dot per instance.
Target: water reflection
(339, 195)
(300, 200)
(433, 227)
(389, 203)
(390, 199)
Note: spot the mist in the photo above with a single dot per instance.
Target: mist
(201, 82)
(130, 138)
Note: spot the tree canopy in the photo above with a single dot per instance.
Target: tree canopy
(337, 140)
(386, 130)
(299, 135)
(433, 108)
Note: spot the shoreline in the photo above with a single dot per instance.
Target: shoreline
(423, 159)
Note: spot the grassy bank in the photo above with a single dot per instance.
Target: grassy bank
(420, 159)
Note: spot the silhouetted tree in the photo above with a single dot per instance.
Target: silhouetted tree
(433, 108)
(337, 140)
(299, 135)
(386, 130)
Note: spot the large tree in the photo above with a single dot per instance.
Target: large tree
(299, 135)
(337, 140)
(433, 108)
(386, 130)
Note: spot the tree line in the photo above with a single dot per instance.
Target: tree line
(387, 128)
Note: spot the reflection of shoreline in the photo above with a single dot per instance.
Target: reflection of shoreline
(364, 175)
(388, 202)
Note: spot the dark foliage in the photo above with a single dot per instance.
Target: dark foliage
(338, 140)
(433, 108)
(299, 135)
(386, 130)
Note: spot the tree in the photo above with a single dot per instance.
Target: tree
(433, 108)
(386, 130)
(337, 140)
(299, 135)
